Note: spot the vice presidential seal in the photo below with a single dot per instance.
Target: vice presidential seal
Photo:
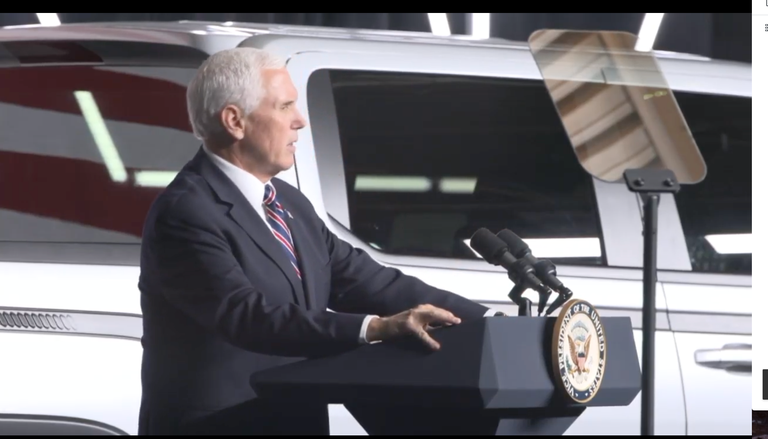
(579, 351)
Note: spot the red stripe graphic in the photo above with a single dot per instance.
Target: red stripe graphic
(120, 96)
(72, 190)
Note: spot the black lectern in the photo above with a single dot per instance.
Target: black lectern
(492, 376)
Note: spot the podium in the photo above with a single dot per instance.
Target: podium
(492, 376)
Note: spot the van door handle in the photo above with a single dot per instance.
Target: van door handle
(736, 357)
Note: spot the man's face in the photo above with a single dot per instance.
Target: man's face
(269, 132)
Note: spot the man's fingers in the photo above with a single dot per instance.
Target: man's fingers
(439, 315)
(427, 340)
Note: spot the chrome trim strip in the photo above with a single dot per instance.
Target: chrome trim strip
(24, 424)
(68, 322)
(733, 324)
(697, 278)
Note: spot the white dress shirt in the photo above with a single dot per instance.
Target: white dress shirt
(253, 190)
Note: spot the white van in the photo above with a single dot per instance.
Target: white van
(414, 142)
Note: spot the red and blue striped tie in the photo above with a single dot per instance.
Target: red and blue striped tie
(276, 219)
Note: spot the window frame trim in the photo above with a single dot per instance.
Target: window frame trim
(324, 187)
(324, 184)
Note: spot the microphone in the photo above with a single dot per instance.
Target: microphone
(544, 268)
(496, 252)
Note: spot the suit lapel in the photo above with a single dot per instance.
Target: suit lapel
(300, 238)
(243, 214)
(261, 234)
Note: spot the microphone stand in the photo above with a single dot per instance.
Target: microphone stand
(523, 303)
(564, 294)
(650, 184)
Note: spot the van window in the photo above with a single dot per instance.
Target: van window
(84, 152)
(429, 159)
(716, 214)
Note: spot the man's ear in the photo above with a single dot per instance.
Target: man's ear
(233, 121)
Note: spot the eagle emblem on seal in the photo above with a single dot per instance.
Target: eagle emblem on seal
(579, 354)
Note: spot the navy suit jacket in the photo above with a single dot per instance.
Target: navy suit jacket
(220, 299)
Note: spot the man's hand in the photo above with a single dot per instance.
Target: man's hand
(412, 322)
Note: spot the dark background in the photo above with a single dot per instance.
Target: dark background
(716, 35)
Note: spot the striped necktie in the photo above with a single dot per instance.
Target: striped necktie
(276, 219)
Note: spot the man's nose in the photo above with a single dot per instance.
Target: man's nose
(300, 121)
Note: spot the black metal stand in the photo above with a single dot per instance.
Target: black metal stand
(563, 295)
(523, 303)
(546, 266)
(650, 184)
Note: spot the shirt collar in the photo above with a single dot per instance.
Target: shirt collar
(250, 186)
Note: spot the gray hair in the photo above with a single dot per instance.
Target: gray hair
(229, 77)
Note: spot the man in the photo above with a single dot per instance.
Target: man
(238, 272)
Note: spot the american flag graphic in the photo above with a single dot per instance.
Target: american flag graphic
(85, 150)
